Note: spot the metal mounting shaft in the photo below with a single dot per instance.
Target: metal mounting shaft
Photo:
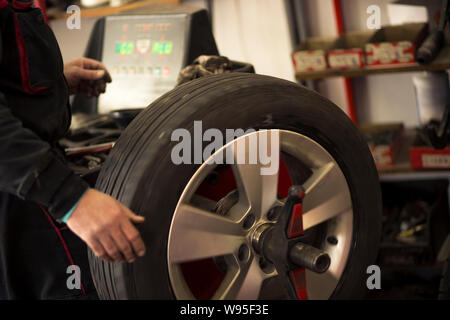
(309, 257)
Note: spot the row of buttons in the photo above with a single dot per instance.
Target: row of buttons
(156, 71)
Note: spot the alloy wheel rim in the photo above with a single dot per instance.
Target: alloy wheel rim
(196, 233)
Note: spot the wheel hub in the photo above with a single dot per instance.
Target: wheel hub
(281, 242)
(258, 235)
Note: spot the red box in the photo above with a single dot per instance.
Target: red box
(346, 59)
(310, 60)
(311, 55)
(424, 156)
(395, 45)
(348, 51)
(429, 158)
(384, 141)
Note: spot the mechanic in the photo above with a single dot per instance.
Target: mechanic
(38, 192)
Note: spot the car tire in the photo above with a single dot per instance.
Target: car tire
(140, 174)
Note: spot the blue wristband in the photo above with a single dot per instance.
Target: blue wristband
(68, 214)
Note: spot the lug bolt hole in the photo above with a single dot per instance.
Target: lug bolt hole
(243, 253)
(332, 240)
(272, 214)
(266, 266)
(249, 221)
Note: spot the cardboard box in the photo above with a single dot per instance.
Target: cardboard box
(384, 141)
(348, 50)
(395, 45)
(312, 54)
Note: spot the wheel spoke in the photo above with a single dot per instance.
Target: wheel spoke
(257, 188)
(326, 195)
(202, 234)
(243, 283)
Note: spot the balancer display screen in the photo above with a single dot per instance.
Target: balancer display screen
(144, 55)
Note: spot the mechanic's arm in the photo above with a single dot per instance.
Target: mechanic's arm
(87, 76)
(30, 170)
(112, 236)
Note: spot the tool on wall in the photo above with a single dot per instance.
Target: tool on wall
(435, 41)
(437, 132)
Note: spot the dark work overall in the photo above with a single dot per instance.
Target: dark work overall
(36, 186)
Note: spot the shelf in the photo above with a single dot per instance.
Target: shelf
(106, 10)
(414, 175)
(442, 62)
(402, 170)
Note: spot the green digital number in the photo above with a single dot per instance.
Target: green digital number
(168, 47)
(162, 47)
(124, 47)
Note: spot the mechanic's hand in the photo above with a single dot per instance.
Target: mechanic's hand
(86, 76)
(106, 226)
